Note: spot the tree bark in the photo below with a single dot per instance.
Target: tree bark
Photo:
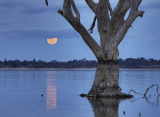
(106, 82)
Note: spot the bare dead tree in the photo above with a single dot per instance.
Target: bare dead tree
(112, 28)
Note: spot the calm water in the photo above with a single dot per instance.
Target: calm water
(20, 94)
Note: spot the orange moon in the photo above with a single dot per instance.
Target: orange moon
(52, 41)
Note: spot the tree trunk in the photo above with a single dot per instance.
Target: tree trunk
(106, 82)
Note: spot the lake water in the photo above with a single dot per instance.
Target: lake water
(20, 94)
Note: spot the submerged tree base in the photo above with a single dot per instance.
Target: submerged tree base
(109, 92)
(106, 82)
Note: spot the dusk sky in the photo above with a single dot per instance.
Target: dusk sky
(25, 26)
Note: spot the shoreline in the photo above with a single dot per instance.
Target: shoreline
(69, 69)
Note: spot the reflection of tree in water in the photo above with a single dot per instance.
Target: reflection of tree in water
(105, 107)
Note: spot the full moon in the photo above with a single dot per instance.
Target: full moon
(52, 41)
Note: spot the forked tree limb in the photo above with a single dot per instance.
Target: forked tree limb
(134, 13)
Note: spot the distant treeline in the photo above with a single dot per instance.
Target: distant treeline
(140, 63)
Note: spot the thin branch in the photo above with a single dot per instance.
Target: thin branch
(93, 25)
(147, 100)
(134, 92)
(134, 13)
(92, 5)
(149, 89)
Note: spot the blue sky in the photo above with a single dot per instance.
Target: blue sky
(25, 25)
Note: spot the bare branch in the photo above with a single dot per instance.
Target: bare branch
(149, 89)
(68, 15)
(92, 5)
(134, 92)
(134, 13)
(93, 25)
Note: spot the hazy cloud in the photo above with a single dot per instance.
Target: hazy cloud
(151, 6)
(38, 33)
